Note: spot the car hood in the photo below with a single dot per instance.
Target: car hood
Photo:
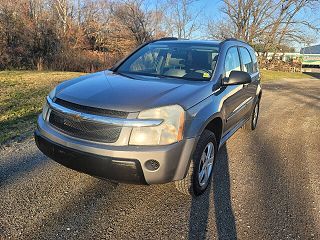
(132, 93)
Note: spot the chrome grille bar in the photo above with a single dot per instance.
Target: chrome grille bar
(124, 122)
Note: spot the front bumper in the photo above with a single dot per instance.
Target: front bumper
(124, 170)
(118, 163)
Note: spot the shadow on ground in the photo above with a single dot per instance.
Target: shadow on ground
(54, 226)
(314, 75)
(15, 168)
(200, 206)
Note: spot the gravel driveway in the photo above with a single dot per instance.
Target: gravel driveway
(266, 186)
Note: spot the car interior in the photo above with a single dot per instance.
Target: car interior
(190, 63)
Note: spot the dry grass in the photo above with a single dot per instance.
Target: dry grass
(267, 75)
(22, 94)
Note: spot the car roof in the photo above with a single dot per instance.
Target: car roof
(204, 42)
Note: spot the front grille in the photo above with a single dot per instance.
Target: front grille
(91, 110)
(84, 129)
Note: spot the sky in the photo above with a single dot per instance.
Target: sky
(210, 9)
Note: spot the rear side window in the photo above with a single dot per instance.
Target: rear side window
(232, 62)
(254, 60)
(247, 64)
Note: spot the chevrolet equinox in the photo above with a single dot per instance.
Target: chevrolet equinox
(159, 115)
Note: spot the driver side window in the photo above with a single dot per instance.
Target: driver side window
(147, 62)
(232, 61)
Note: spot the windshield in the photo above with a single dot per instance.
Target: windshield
(178, 60)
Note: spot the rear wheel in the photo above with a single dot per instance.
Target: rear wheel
(200, 170)
(251, 124)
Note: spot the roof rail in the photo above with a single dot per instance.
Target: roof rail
(232, 39)
(169, 39)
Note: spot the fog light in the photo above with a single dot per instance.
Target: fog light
(152, 165)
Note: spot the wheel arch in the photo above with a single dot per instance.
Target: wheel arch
(215, 125)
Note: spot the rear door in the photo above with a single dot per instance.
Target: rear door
(247, 65)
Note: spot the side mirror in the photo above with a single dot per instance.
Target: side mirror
(237, 77)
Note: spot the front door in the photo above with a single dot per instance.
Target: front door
(236, 95)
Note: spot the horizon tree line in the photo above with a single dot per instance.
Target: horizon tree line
(88, 35)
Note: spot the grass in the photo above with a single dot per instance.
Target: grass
(267, 75)
(22, 95)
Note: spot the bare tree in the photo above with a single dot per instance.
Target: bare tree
(181, 19)
(267, 22)
(135, 19)
(220, 30)
(62, 8)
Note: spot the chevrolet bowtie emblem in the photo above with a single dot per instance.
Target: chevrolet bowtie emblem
(77, 117)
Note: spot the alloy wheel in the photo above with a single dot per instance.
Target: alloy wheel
(255, 115)
(206, 164)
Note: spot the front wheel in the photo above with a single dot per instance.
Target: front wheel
(251, 124)
(200, 170)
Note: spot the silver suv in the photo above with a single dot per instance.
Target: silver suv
(160, 115)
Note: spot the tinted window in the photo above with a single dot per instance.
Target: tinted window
(178, 60)
(254, 60)
(247, 64)
(146, 61)
(232, 61)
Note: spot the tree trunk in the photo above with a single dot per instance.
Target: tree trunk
(40, 64)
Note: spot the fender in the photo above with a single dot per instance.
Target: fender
(201, 114)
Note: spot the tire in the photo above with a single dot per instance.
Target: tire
(251, 124)
(191, 184)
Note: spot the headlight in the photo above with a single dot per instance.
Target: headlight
(45, 110)
(169, 131)
(52, 94)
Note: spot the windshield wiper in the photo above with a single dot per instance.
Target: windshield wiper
(123, 74)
